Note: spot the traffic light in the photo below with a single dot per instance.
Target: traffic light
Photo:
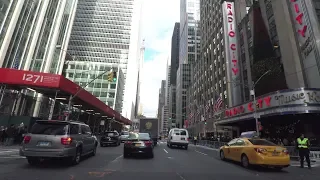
(114, 79)
(110, 77)
(205, 122)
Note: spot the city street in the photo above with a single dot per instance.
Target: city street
(196, 163)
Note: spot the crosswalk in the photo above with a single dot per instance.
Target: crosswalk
(10, 153)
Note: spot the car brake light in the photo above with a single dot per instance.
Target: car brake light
(26, 139)
(66, 140)
(148, 143)
(260, 150)
(285, 151)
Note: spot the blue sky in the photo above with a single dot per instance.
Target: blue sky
(150, 54)
(158, 19)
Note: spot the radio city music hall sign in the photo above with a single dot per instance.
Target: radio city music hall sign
(300, 18)
(231, 51)
(232, 39)
(277, 99)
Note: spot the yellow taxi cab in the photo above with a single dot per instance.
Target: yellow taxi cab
(255, 151)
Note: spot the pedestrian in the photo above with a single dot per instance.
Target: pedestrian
(303, 147)
(10, 135)
(195, 139)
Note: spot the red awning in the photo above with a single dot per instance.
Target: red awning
(49, 83)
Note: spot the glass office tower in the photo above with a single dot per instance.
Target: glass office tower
(101, 41)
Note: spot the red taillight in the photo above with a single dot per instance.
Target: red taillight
(26, 139)
(285, 151)
(66, 140)
(148, 143)
(260, 150)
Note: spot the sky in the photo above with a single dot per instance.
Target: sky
(158, 21)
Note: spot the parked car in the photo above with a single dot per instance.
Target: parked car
(138, 143)
(58, 139)
(110, 138)
(124, 136)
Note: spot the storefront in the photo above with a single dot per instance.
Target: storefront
(286, 108)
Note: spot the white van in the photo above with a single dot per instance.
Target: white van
(178, 137)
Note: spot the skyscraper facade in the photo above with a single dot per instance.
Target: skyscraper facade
(161, 104)
(33, 36)
(33, 32)
(263, 52)
(175, 41)
(105, 37)
(189, 53)
(165, 111)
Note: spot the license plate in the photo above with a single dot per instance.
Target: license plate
(137, 145)
(183, 138)
(275, 153)
(44, 144)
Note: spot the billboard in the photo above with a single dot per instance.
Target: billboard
(231, 53)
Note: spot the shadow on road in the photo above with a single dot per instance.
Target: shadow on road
(53, 164)
(256, 169)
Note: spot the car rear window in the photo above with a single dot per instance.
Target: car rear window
(183, 133)
(110, 134)
(180, 132)
(261, 142)
(125, 133)
(139, 136)
(49, 129)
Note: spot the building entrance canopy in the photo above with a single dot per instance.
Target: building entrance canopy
(48, 84)
(290, 101)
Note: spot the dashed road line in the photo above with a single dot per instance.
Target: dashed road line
(165, 151)
(201, 153)
(117, 158)
(180, 176)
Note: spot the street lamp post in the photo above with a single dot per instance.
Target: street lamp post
(81, 88)
(253, 93)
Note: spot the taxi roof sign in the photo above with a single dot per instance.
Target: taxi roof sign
(249, 134)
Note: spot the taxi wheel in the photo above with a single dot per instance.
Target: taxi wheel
(222, 157)
(245, 161)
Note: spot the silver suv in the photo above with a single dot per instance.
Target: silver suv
(58, 139)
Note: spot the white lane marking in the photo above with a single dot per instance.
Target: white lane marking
(165, 151)
(116, 159)
(7, 152)
(201, 152)
(298, 165)
(13, 157)
(180, 176)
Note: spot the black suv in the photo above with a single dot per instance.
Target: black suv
(110, 138)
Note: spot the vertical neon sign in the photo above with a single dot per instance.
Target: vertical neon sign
(231, 52)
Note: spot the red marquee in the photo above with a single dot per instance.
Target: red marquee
(31, 79)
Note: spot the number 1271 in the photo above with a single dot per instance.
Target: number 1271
(32, 78)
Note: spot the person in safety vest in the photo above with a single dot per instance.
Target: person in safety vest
(303, 147)
(195, 139)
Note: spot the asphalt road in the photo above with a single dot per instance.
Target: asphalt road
(171, 164)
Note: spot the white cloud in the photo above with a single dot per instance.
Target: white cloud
(159, 17)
